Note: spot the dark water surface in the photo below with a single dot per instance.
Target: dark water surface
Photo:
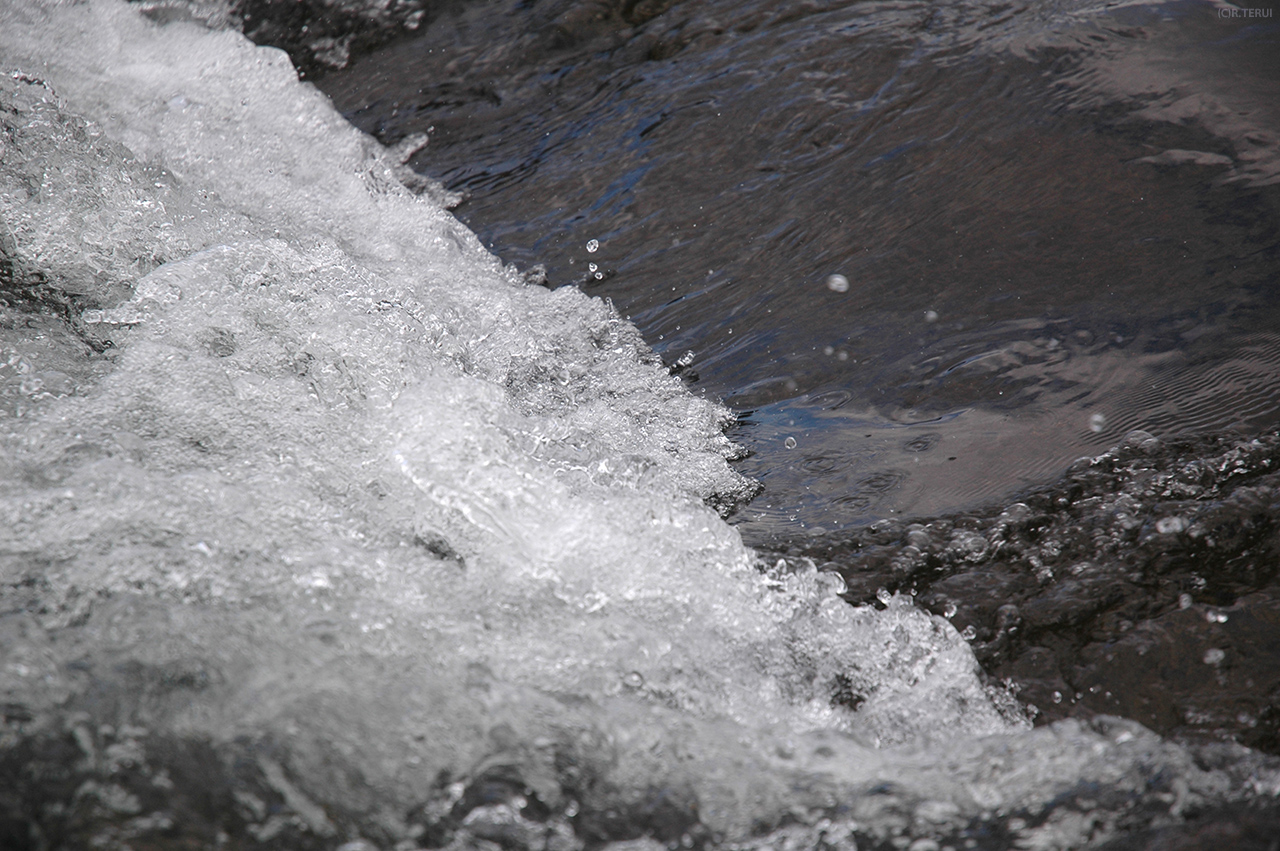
(1056, 223)
(1053, 224)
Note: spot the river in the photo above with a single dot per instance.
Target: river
(326, 527)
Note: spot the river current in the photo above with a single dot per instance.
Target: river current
(331, 519)
(929, 253)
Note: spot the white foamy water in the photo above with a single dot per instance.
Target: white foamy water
(400, 511)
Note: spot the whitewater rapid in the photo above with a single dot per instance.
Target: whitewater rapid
(304, 473)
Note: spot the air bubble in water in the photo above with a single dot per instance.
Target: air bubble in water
(969, 633)
(790, 443)
(633, 680)
(931, 316)
(1097, 422)
(838, 283)
(593, 246)
(884, 596)
(950, 611)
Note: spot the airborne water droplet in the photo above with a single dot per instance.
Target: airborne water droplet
(838, 283)
(790, 443)
(592, 246)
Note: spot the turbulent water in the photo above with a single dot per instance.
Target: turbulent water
(322, 527)
(1053, 223)
(930, 253)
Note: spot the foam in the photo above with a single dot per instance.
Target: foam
(392, 506)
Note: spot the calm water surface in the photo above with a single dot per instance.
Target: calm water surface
(1054, 223)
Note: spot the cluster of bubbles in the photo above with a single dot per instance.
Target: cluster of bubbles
(592, 247)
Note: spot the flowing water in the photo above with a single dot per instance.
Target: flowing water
(930, 254)
(323, 527)
(1052, 223)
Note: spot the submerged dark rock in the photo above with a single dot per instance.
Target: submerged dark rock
(1142, 583)
(318, 35)
(80, 218)
(81, 781)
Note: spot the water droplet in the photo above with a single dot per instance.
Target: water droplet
(919, 539)
(1057, 697)
(1184, 601)
(599, 276)
(1214, 656)
(593, 246)
(593, 267)
(884, 596)
(969, 633)
(949, 611)
(838, 283)
(1170, 525)
(1016, 513)
(633, 680)
(931, 316)
(1097, 422)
